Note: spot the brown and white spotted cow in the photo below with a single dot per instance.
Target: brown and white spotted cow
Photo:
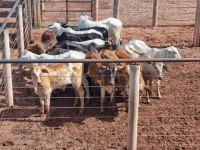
(48, 78)
(104, 75)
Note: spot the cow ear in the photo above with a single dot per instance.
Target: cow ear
(165, 68)
(44, 70)
(51, 27)
(119, 67)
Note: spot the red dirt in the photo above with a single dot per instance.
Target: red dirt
(170, 123)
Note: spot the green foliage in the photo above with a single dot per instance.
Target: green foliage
(36, 26)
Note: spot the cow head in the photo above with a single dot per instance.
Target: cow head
(56, 28)
(158, 69)
(37, 73)
(109, 74)
(172, 52)
(86, 16)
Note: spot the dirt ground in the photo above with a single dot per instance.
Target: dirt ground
(170, 123)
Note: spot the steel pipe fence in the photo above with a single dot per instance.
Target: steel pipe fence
(14, 35)
(131, 13)
(170, 123)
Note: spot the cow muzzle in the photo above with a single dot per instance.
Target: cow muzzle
(39, 83)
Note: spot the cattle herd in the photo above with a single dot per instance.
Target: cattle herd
(90, 40)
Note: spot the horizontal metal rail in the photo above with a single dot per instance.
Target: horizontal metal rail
(135, 60)
(9, 15)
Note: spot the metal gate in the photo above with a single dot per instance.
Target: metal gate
(68, 10)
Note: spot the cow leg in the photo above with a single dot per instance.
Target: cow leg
(151, 87)
(80, 92)
(112, 100)
(41, 106)
(148, 92)
(158, 89)
(76, 97)
(47, 104)
(86, 86)
(102, 99)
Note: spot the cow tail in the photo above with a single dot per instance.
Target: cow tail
(120, 40)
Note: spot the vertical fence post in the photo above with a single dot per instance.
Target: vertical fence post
(20, 27)
(116, 9)
(155, 13)
(35, 12)
(67, 11)
(38, 12)
(95, 6)
(133, 106)
(29, 19)
(196, 42)
(8, 76)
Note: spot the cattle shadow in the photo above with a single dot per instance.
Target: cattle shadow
(27, 105)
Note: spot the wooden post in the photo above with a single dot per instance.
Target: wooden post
(38, 13)
(8, 83)
(67, 11)
(155, 13)
(29, 19)
(35, 12)
(196, 40)
(20, 27)
(133, 106)
(116, 9)
(95, 5)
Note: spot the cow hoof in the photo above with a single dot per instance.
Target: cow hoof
(80, 113)
(148, 102)
(87, 101)
(102, 113)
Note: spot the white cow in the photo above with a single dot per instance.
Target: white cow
(98, 42)
(29, 55)
(58, 30)
(151, 73)
(168, 52)
(132, 52)
(113, 25)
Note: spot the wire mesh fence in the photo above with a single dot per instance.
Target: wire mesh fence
(170, 123)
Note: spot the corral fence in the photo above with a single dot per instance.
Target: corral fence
(131, 13)
(173, 124)
(19, 28)
(139, 13)
(185, 133)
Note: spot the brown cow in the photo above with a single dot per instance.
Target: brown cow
(104, 75)
(124, 73)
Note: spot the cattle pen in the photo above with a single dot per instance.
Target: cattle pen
(172, 122)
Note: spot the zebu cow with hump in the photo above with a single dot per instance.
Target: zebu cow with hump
(104, 75)
(94, 45)
(113, 25)
(168, 52)
(102, 30)
(49, 78)
(70, 34)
